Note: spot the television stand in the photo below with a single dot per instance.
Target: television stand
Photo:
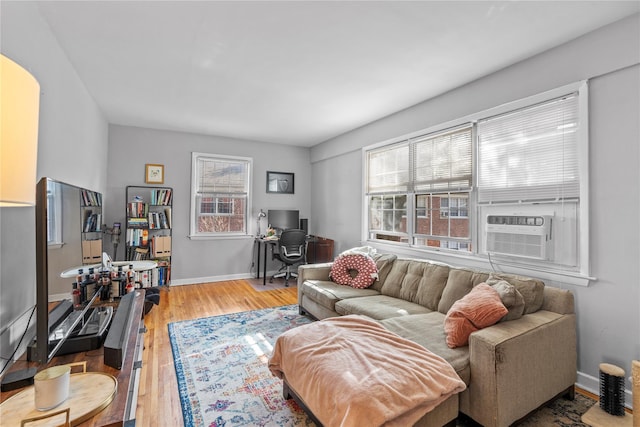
(121, 411)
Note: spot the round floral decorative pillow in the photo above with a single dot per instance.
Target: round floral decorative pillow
(364, 266)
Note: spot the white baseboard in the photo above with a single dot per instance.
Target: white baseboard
(592, 385)
(209, 279)
(10, 337)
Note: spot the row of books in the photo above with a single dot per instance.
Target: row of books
(155, 220)
(91, 198)
(162, 274)
(137, 210)
(160, 219)
(92, 222)
(137, 237)
(161, 197)
(158, 276)
(137, 223)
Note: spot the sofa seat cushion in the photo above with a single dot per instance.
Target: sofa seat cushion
(427, 330)
(326, 293)
(378, 307)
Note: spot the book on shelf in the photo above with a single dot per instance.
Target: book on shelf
(167, 214)
(161, 197)
(91, 198)
(137, 237)
(140, 254)
(138, 222)
(137, 209)
(92, 222)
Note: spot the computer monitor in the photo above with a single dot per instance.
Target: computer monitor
(283, 219)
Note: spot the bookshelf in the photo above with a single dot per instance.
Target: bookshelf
(148, 230)
(91, 214)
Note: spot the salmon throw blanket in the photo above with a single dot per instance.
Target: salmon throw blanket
(349, 369)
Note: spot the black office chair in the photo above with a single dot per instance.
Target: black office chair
(291, 250)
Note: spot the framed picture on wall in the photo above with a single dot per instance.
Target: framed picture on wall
(279, 182)
(154, 174)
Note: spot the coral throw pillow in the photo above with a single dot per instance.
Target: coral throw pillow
(363, 265)
(478, 309)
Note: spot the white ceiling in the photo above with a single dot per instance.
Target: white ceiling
(298, 72)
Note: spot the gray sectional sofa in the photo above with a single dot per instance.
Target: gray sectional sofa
(510, 368)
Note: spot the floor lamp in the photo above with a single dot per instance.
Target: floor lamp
(19, 108)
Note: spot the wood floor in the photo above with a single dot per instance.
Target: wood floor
(158, 399)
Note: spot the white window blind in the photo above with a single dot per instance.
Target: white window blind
(220, 194)
(388, 169)
(221, 176)
(530, 154)
(443, 162)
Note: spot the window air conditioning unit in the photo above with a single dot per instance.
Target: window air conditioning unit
(527, 236)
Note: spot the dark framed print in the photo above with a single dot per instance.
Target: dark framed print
(279, 182)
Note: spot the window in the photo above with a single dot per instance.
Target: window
(454, 206)
(528, 164)
(439, 189)
(388, 217)
(407, 183)
(220, 195)
(54, 213)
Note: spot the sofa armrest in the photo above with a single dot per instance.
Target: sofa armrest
(314, 272)
(518, 365)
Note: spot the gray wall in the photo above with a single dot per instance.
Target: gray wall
(197, 261)
(72, 147)
(607, 310)
(77, 146)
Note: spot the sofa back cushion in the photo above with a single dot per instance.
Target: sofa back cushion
(531, 289)
(417, 281)
(511, 298)
(459, 283)
(384, 263)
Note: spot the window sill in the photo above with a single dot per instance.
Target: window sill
(550, 276)
(220, 237)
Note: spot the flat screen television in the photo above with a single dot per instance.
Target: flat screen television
(62, 226)
(283, 219)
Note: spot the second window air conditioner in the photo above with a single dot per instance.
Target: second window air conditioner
(527, 236)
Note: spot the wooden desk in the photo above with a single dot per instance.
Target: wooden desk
(319, 249)
(263, 243)
(123, 406)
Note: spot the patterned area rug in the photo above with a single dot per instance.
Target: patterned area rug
(558, 413)
(221, 364)
(223, 378)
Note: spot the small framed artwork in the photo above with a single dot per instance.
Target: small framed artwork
(279, 182)
(154, 174)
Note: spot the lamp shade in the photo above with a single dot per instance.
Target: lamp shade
(19, 107)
